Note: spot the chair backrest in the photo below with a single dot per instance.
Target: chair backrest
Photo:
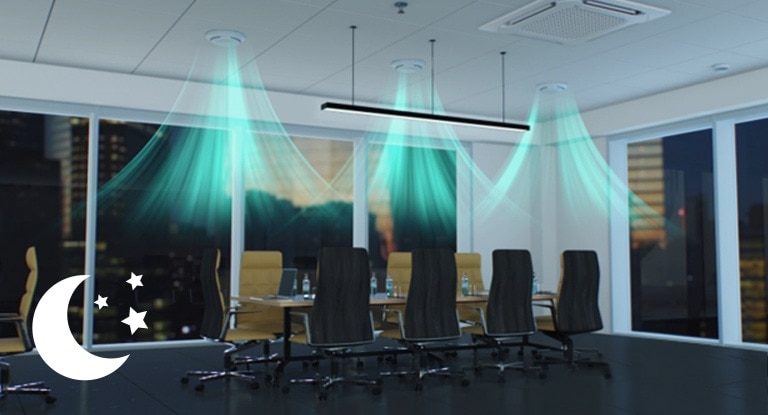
(260, 273)
(469, 263)
(341, 312)
(399, 267)
(430, 310)
(509, 309)
(215, 308)
(25, 304)
(577, 307)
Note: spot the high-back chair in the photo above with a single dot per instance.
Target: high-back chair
(22, 342)
(508, 315)
(469, 264)
(575, 309)
(216, 328)
(260, 273)
(430, 313)
(340, 317)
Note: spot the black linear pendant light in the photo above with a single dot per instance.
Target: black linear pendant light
(416, 116)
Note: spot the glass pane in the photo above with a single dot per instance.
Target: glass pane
(674, 288)
(163, 197)
(412, 200)
(307, 204)
(43, 173)
(751, 153)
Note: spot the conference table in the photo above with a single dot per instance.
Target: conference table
(288, 304)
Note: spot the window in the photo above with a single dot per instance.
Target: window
(163, 197)
(751, 153)
(672, 237)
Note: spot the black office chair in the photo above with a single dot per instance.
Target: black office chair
(21, 342)
(215, 327)
(430, 313)
(575, 310)
(340, 318)
(508, 317)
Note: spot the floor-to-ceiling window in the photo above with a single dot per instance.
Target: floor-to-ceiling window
(164, 196)
(672, 237)
(412, 199)
(751, 156)
(43, 174)
(308, 203)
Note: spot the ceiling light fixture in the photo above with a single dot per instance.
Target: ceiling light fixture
(415, 116)
(225, 38)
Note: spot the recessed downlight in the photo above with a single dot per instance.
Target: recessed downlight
(225, 38)
(408, 65)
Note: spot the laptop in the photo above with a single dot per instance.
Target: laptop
(285, 290)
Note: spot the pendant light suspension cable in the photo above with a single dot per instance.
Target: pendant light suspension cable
(353, 63)
(432, 64)
(503, 90)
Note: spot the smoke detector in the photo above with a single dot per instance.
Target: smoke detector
(225, 38)
(408, 65)
(573, 21)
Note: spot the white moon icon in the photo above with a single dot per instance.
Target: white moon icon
(54, 341)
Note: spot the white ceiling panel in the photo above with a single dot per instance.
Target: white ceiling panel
(304, 47)
(19, 37)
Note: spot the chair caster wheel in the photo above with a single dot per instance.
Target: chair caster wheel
(465, 382)
(379, 381)
(542, 375)
(184, 380)
(50, 399)
(376, 391)
(608, 375)
(199, 387)
(359, 364)
(379, 359)
(305, 364)
(255, 385)
(315, 363)
(323, 396)
(268, 378)
(285, 390)
(478, 372)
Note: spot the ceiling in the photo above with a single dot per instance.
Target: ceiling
(305, 47)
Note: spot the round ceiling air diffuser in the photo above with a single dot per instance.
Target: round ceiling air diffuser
(408, 65)
(552, 87)
(225, 38)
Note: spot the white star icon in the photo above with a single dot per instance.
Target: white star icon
(135, 320)
(101, 302)
(135, 281)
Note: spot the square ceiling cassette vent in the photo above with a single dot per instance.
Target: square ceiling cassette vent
(572, 21)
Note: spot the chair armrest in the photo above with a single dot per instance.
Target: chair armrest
(10, 318)
(481, 312)
(303, 320)
(400, 324)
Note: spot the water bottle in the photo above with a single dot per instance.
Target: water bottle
(464, 284)
(305, 285)
(294, 289)
(390, 284)
(535, 286)
(374, 284)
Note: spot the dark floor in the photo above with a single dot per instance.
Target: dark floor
(649, 377)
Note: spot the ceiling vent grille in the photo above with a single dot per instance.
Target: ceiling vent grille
(572, 21)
